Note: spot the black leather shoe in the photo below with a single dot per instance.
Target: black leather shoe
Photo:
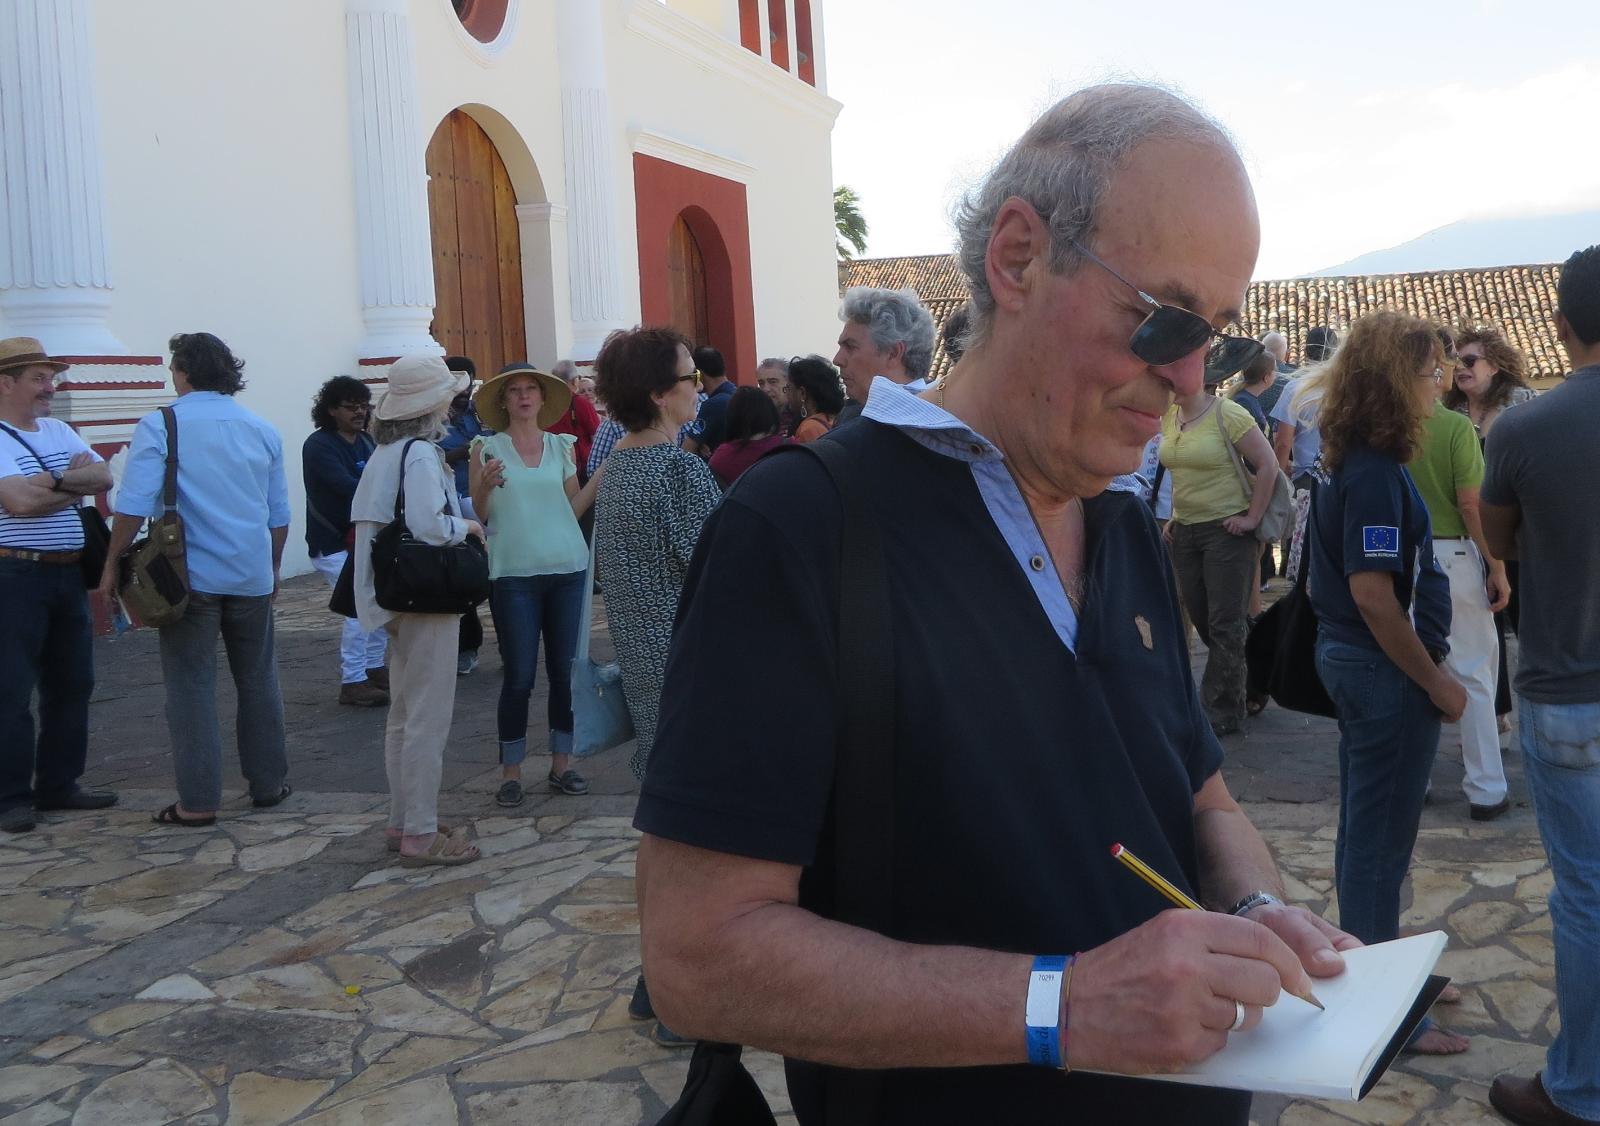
(1489, 812)
(78, 799)
(18, 819)
(1526, 1103)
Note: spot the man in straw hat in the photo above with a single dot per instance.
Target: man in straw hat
(46, 642)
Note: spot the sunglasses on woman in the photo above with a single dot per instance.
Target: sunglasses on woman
(694, 375)
(1170, 333)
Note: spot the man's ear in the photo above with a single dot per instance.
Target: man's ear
(1563, 332)
(1017, 237)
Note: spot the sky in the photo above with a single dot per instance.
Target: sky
(1363, 124)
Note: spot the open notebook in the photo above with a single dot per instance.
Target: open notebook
(1372, 1007)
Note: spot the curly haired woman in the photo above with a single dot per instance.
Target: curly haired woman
(1373, 574)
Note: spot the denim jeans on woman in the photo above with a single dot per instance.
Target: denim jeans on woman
(525, 609)
(1388, 736)
(1561, 754)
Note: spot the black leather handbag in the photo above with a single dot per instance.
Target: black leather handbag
(412, 577)
(1281, 651)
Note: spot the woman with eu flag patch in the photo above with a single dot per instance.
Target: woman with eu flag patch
(1383, 614)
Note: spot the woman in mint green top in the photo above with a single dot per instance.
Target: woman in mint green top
(524, 485)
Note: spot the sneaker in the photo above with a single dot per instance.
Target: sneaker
(670, 1039)
(362, 694)
(569, 783)
(639, 1008)
(379, 677)
(466, 662)
(509, 793)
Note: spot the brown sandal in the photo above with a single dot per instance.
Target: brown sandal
(393, 843)
(171, 816)
(445, 851)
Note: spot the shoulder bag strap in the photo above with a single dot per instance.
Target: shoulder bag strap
(169, 485)
(1238, 461)
(23, 442)
(400, 491)
(586, 616)
(864, 770)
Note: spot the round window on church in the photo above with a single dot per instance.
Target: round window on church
(483, 19)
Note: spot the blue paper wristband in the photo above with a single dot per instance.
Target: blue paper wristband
(1043, 1012)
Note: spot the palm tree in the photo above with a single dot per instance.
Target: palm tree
(849, 222)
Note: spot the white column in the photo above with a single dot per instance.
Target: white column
(764, 22)
(592, 221)
(54, 284)
(391, 178)
(794, 39)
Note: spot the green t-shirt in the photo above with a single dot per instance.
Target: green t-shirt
(1205, 485)
(1450, 459)
(532, 530)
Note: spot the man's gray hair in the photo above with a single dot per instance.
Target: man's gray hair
(565, 370)
(1278, 344)
(774, 362)
(893, 316)
(1062, 167)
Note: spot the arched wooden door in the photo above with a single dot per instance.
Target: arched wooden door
(477, 250)
(686, 284)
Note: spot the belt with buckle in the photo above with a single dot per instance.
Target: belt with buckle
(40, 556)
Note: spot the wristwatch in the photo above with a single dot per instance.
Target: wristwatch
(1252, 901)
(56, 478)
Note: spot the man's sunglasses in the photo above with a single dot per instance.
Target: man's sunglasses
(1170, 333)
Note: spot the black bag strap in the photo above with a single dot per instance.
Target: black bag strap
(400, 491)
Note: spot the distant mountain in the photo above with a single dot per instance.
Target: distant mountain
(1481, 242)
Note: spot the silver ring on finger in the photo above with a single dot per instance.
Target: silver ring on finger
(1238, 1017)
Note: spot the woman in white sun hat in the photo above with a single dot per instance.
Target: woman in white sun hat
(422, 647)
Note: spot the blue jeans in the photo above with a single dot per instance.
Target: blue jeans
(46, 646)
(525, 608)
(189, 667)
(1561, 756)
(1388, 736)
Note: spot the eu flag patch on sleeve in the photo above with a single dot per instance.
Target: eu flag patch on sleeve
(1380, 541)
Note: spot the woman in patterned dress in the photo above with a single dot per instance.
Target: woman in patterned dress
(652, 502)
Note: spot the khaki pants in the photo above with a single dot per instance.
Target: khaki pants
(1216, 572)
(422, 696)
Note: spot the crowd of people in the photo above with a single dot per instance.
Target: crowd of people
(1026, 723)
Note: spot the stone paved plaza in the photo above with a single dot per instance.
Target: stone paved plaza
(278, 968)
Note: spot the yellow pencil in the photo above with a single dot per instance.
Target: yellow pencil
(1155, 879)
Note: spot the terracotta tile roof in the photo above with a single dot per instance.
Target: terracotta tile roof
(1521, 300)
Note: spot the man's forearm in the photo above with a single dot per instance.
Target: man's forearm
(123, 531)
(1234, 860)
(87, 480)
(1473, 520)
(1282, 444)
(280, 536)
(829, 992)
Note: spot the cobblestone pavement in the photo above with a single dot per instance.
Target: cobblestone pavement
(277, 968)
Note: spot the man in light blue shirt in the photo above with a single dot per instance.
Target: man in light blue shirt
(234, 501)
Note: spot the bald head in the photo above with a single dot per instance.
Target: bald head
(1277, 346)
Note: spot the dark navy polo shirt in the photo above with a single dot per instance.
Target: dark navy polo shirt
(1019, 761)
(1368, 516)
(331, 469)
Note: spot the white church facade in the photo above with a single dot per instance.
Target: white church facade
(330, 184)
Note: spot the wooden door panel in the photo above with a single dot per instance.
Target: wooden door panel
(477, 251)
(686, 284)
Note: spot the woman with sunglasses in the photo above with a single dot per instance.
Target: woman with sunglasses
(1214, 547)
(1383, 616)
(653, 501)
(1492, 378)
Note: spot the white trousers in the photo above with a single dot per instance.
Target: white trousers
(422, 696)
(1474, 661)
(358, 649)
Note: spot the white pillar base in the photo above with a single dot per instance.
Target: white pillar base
(69, 321)
(398, 330)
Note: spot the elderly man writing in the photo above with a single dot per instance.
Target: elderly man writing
(1044, 706)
